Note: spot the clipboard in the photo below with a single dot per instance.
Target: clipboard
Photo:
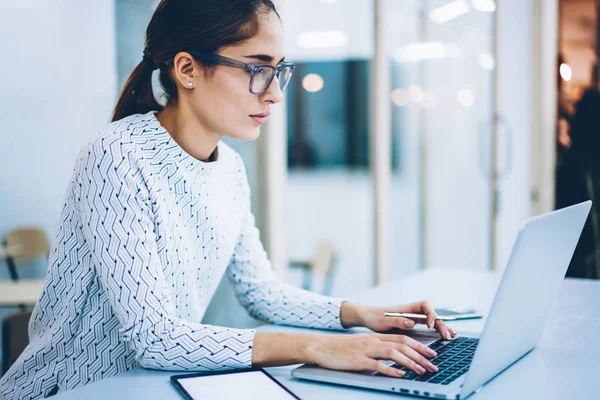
(250, 383)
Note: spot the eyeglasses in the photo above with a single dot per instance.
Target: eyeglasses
(261, 75)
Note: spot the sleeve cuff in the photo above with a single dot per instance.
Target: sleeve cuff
(334, 310)
(247, 342)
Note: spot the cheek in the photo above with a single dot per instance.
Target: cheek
(220, 103)
(237, 103)
(225, 103)
(234, 97)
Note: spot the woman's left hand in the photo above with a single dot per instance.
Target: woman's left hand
(374, 318)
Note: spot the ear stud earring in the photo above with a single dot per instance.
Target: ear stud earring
(190, 84)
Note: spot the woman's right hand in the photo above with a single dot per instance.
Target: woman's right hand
(361, 352)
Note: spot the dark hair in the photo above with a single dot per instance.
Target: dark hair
(186, 25)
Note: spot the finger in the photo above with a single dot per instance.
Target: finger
(415, 308)
(451, 331)
(392, 354)
(422, 321)
(402, 339)
(421, 307)
(404, 323)
(411, 307)
(378, 366)
(428, 310)
(445, 332)
(416, 357)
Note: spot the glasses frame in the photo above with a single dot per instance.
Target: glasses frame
(252, 68)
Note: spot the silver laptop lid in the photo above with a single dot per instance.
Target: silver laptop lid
(532, 279)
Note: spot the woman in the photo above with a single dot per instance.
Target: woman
(158, 211)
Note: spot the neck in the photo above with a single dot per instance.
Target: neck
(188, 132)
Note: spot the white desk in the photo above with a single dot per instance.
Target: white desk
(565, 365)
(23, 292)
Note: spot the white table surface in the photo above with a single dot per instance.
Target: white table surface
(565, 365)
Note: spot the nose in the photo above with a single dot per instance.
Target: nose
(273, 93)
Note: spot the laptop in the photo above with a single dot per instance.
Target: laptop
(531, 281)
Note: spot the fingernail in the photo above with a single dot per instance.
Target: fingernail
(432, 353)
(448, 335)
(420, 369)
(400, 373)
(434, 368)
(409, 324)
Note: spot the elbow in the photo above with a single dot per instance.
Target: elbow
(147, 357)
(153, 359)
(147, 353)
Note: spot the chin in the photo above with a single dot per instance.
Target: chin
(247, 134)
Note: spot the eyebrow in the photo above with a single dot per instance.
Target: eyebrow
(264, 57)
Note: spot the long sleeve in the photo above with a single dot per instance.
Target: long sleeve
(118, 226)
(266, 297)
(145, 236)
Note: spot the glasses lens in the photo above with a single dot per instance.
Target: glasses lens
(264, 76)
(261, 79)
(284, 77)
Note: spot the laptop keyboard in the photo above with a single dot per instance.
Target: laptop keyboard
(453, 360)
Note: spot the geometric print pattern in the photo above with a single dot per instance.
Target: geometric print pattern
(145, 236)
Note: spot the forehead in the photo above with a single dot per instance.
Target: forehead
(268, 40)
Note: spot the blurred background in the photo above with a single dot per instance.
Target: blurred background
(414, 134)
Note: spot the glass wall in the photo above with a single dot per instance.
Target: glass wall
(329, 193)
(442, 92)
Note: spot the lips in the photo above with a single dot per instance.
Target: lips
(260, 118)
(263, 114)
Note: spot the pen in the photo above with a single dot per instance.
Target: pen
(411, 315)
(438, 318)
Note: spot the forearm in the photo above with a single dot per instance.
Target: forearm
(272, 349)
(270, 300)
(184, 345)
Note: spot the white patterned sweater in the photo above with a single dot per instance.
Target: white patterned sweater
(145, 236)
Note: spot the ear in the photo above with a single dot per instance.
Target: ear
(185, 69)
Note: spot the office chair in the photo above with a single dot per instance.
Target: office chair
(318, 270)
(23, 244)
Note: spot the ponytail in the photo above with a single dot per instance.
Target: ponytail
(137, 96)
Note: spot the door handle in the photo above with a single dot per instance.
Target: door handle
(504, 132)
